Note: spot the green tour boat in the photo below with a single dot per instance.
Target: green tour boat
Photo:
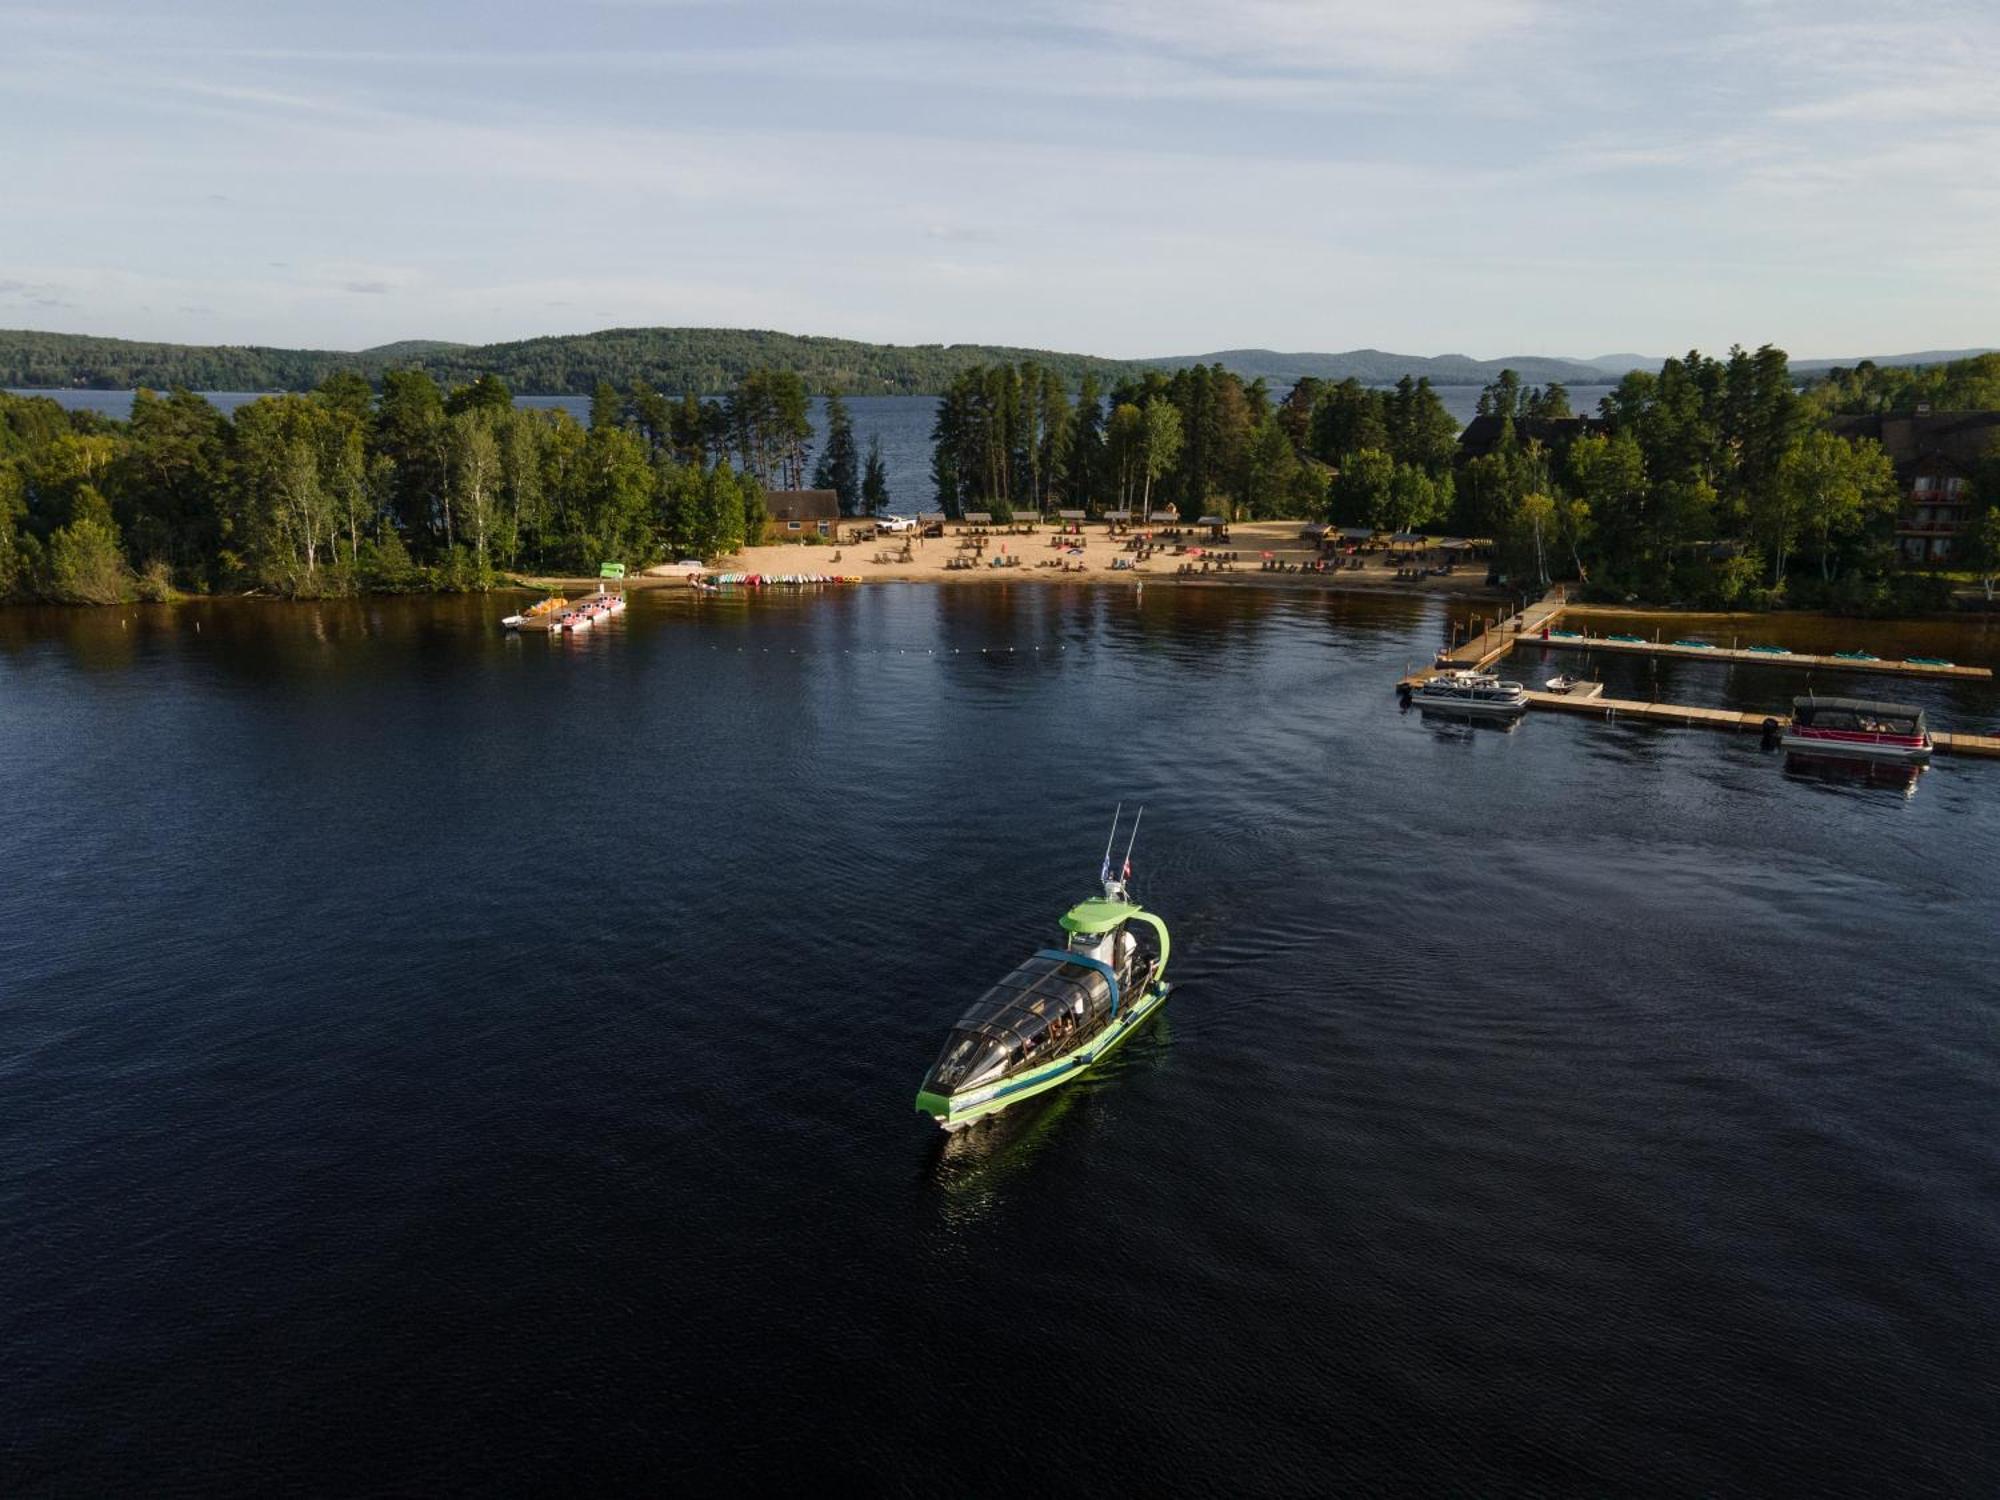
(1060, 1011)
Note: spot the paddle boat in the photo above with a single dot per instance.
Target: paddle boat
(1059, 1012)
(534, 612)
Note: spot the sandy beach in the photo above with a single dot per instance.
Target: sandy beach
(1047, 556)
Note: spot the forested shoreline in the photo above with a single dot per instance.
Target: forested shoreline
(1713, 482)
(343, 490)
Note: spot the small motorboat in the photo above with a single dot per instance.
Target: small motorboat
(1561, 683)
(513, 622)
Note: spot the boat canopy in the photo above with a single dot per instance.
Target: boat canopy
(1097, 915)
(1008, 1025)
(1859, 714)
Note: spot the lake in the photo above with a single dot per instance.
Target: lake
(445, 1062)
(901, 423)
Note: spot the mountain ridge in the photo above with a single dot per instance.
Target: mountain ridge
(707, 360)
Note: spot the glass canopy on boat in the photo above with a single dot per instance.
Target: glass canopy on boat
(1011, 1025)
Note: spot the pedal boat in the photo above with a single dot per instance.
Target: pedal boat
(1061, 1011)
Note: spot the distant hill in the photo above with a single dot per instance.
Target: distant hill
(672, 360)
(1374, 367)
(411, 348)
(708, 360)
(1615, 365)
(1924, 357)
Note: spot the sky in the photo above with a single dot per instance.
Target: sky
(1120, 177)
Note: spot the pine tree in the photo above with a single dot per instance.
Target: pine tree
(839, 466)
(875, 483)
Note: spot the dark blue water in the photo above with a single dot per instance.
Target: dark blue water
(441, 1062)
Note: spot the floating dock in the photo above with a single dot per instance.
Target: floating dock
(1690, 716)
(1494, 642)
(1684, 651)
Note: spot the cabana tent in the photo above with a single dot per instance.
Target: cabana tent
(979, 518)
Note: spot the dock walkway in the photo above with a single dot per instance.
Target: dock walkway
(1795, 659)
(1690, 716)
(1494, 642)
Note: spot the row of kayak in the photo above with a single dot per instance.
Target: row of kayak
(772, 580)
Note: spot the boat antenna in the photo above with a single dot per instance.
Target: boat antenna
(1110, 839)
(1125, 871)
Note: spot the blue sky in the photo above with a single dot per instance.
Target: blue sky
(1127, 177)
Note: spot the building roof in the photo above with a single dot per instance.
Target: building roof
(1071, 515)
(1482, 434)
(979, 517)
(1959, 439)
(802, 505)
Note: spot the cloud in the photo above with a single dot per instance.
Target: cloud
(371, 288)
(42, 294)
(1405, 36)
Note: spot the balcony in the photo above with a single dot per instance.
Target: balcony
(1930, 528)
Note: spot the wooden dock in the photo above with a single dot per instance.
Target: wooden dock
(1794, 659)
(1494, 642)
(1691, 716)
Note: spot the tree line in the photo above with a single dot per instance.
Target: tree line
(707, 361)
(342, 490)
(1710, 481)
(1867, 388)
(1714, 482)
(1202, 440)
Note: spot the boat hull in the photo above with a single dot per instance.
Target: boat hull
(1479, 708)
(1898, 750)
(956, 1111)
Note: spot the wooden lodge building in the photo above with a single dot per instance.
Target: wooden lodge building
(792, 514)
(1935, 454)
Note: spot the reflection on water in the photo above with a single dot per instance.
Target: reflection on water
(1850, 772)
